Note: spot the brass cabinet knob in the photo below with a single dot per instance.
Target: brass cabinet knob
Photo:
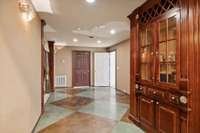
(151, 101)
(173, 98)
(183, 99)
(157, 103)
(136, 86)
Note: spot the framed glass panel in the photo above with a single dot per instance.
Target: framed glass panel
(172, 73)
(142, 38)
(171, 57)
(163, 52)
(167, 50)
(148, 72)
(145, 71)
(163, 72)
(172, 28)
(146, 55)
(149, 37)
(163, 31)
(146, 49)
(142, 71)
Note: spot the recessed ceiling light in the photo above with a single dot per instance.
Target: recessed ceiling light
(99, 41)
(102, 26)
(90, 1)
(75, 40)
(112, 31)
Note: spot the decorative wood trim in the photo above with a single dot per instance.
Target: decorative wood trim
(51, 65)
(43, 23)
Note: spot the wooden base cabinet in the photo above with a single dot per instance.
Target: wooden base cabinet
(165, 66)
(155, 116)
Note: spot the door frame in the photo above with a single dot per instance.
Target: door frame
(115, 66)
(73, 76)
(43, 23)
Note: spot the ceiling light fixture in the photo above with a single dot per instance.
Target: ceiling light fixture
(90, 1)
(99, 41)
(102, 26)
(112, 31)
(75, 40)
(26, 9)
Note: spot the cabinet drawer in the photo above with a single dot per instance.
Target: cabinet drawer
(156, 93)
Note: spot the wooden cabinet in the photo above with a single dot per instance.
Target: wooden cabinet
(164, 75)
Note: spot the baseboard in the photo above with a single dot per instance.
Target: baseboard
(122, 91)
(36, 123)
(62, 87)
(134, 119)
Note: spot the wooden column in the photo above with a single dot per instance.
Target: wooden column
(51, 65)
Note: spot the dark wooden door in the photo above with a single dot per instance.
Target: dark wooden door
(81, 68)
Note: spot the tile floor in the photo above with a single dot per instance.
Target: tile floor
(87, 110)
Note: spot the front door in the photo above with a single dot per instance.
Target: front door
(81, 68)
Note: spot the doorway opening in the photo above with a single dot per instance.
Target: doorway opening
(113, 68)
(102, 69)
(105, 69)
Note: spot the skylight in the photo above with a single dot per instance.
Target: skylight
(42, 6)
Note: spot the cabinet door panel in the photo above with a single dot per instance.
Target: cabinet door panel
(146, 53)
(168, 44)
(147, 111)
(167, 119)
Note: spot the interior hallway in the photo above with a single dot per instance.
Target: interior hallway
(87, 110)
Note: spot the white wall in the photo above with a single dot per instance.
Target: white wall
(20, 71)
(113, 69)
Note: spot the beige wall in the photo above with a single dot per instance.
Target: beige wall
(19, 70)
(123, 65)
(63, 63)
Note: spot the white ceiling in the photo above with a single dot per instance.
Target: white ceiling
(78, 19)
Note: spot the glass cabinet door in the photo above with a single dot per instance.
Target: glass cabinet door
(167, 50)
(146, 53)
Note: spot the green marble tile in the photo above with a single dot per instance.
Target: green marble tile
(57, 96)
(114, 111)
(92, 94)
(52, 114)
(123, 127)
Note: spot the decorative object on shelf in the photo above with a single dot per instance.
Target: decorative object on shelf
(27, 11)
